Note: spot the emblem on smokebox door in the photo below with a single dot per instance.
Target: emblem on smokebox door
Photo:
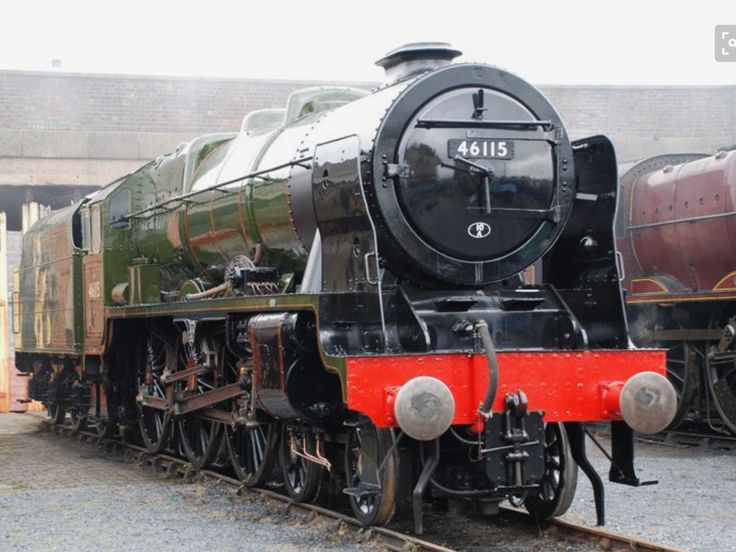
(479, 230)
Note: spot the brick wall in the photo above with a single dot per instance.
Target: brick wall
(86, 130)
(647, 111)
(62, 116)
(59, 101)
(645, 121)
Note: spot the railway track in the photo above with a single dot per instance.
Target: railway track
(693, 435)
(389, 539)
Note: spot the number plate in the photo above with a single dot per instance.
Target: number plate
(481, 149)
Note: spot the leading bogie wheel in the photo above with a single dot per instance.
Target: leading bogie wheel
(560, 476)
(371, 472)
(301, 476)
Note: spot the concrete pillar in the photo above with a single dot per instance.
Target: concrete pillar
(5, 364)
(32, 211)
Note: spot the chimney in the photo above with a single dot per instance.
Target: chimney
(414, 58)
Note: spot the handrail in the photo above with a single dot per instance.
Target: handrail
(481, 123)
(297, 162)
(687, 220)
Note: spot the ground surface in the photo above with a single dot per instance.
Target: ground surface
(693, 507)
(57, 494)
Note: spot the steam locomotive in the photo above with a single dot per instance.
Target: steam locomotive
(409, 293)
(675, 232)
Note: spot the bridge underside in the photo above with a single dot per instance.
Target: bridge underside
(54, 196)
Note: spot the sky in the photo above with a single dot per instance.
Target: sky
(552, 42)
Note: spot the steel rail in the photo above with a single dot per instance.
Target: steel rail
(682, 438)
(390, 539)
(608, 540)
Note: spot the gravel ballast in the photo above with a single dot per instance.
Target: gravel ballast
(57, 494)
(693, 507)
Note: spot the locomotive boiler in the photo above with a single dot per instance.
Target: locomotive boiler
(676, 233)
(408, 293)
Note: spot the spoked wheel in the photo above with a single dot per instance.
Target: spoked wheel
(221, 460)
(560, 476)
(720, 372)
(107, 424)
(722, 387)
(129, 434)
(56, 413)
(200, 439)
(253, 451)
(175, 445)
(372, 494)
(79, 420)
(682, 373)
(199, 436)
(81, 401)
(57, 385)
(252, 445)
(301, 476)
(105, 428)
(154, 424)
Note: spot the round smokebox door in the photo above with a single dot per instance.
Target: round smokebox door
(460, 185)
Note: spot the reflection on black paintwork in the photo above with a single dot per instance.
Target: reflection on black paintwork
(442, 198)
